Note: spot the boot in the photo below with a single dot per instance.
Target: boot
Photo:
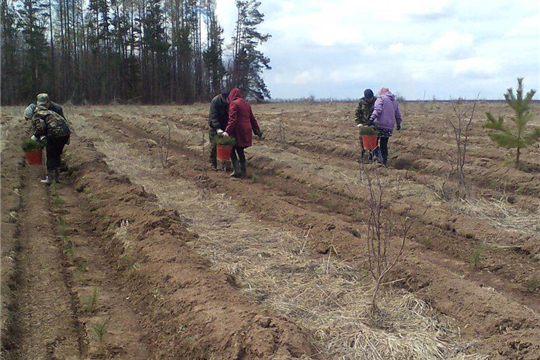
(213, 161)
(243, 170)
(237, 172)
(50, 176)
(57, 175)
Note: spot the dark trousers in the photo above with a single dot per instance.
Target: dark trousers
(241, 155)
(383, 146)
(212, 134)
(55, 147)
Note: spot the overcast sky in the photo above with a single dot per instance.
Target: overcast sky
(447, 48)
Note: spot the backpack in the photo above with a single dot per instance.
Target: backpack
(50, 124)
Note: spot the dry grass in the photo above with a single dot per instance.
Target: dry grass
(502, 215)
(328, 297)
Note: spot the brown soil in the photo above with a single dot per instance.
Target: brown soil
(172, 263)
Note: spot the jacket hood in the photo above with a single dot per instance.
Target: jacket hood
(235, 94)
(389, 95)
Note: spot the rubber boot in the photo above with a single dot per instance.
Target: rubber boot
(214, 164)
(50, 176)
(237, 172)
(243, 170)
(57, 175)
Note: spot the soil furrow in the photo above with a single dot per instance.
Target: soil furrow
(189, 311)
(437, 232)
(45, 325)
(270, 264)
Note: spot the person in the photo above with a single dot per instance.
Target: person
(54, 127)
(385, 117)
(363, 112)
(217, 122)
(240, 126)
(43, 99)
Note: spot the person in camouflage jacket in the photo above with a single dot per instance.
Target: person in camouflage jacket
(55, 129)
(363, 112)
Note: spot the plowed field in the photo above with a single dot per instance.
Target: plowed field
(143, 252)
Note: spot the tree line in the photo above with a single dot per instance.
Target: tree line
(128, 51)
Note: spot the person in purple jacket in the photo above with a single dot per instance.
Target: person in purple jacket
(385, 117)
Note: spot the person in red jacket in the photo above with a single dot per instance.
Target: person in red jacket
(240, 126)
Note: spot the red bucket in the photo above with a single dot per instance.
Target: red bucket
(370, 142)
(33, 157)
(224, 152)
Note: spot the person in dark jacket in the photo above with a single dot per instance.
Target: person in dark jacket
(43, 100)
(363, 112)
(240, 126)
(217, 122)
(385, 117)
(49, 124)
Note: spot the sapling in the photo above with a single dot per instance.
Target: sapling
(84, 266)
(90, 302)
(29, 145)
(515, 137)
(475, 257)
(99, 330)
(382, 235)
(69, 249)
(367, 131)
(533, 284)
(225, 140)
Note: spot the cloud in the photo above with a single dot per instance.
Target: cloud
(527, 27)
(335, 48)
(396, 48)
(476, 68)
(453, 45)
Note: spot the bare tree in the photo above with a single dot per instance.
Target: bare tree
(385, 240)
(458, 128)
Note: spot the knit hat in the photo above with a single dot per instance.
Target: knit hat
(368, 93)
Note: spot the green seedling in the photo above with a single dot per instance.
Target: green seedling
(100, 331)
(90, 302)
(57, 200)
(476, 256)
(69, 250)
(54, 188)
(254, 178)
(427, 243)
(533, 284)
(84, 266)
(90, 195)
(314, 195)
(62, 227)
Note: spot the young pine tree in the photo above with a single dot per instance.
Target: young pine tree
(515, 137)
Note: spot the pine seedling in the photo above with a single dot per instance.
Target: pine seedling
(515, 137)
(69, 249)
(84, 266)
(62, 226)
(99, 330)
(533, 284)
(476, 256)
(90, 302)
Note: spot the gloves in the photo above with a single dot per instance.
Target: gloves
(34, 137)
(42, 138)
(225, 133)
(359, 125)
(399, 127)
(220, 132)
(260, 135)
